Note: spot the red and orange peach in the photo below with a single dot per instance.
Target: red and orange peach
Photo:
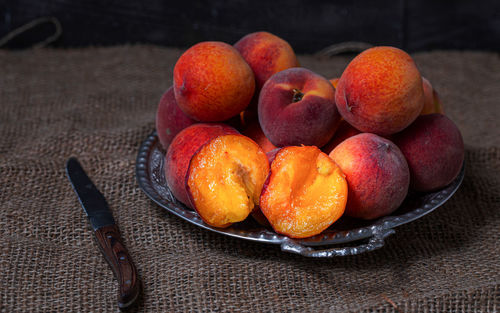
(170, 120)
(334, 82)
(376, 172)
(432, 102)
(266, 54)
(254, 131)
(212, 82)
(380, 91)
(344, 131)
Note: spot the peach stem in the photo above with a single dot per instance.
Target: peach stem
(297, 95)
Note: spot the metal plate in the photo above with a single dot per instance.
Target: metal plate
(151, 178)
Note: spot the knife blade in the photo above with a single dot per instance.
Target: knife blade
(106, 233)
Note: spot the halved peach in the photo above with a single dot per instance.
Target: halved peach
(225, 179)
(182, 148)
(305, 192)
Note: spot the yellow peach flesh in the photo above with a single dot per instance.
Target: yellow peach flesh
(306, 192)
(225, 179)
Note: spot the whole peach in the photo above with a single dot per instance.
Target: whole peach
(334, 82)
(212, 82)
(254, 131)
(344, 131)
(377, 175)
(434, 149)
(380, 91)
(432, 102)
(266, 54)
(297, 107)
(170, 120)
(182, 149)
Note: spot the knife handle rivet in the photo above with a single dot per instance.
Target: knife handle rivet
(128, 282)
(109, 236)
(122, 258)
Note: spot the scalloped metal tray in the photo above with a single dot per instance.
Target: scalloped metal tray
(151, 178)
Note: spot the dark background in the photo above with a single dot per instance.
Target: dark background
(309, 26)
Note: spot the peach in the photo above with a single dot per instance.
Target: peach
(432, 102)
(434, 149)
(182, 149)
(170, 120)
(297, 106)
(236, 122)
(212, 82)
(376, 172)
(251, 110)
(254, 131)
(249, 116)
(344, 131)
(380, 91)
(305, 192)
(266, 54)
(334, 82)
(225, 179)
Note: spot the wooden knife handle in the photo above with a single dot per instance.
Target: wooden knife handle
(111, 245)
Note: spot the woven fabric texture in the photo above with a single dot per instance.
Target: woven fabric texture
(99, 104)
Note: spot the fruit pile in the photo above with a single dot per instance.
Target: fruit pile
(249, 132)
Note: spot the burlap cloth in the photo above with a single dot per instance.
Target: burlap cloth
(99, 104)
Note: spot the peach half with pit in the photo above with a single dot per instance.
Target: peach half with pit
(225, 179)
(181, 150)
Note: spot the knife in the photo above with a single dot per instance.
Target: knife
(106, 233)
